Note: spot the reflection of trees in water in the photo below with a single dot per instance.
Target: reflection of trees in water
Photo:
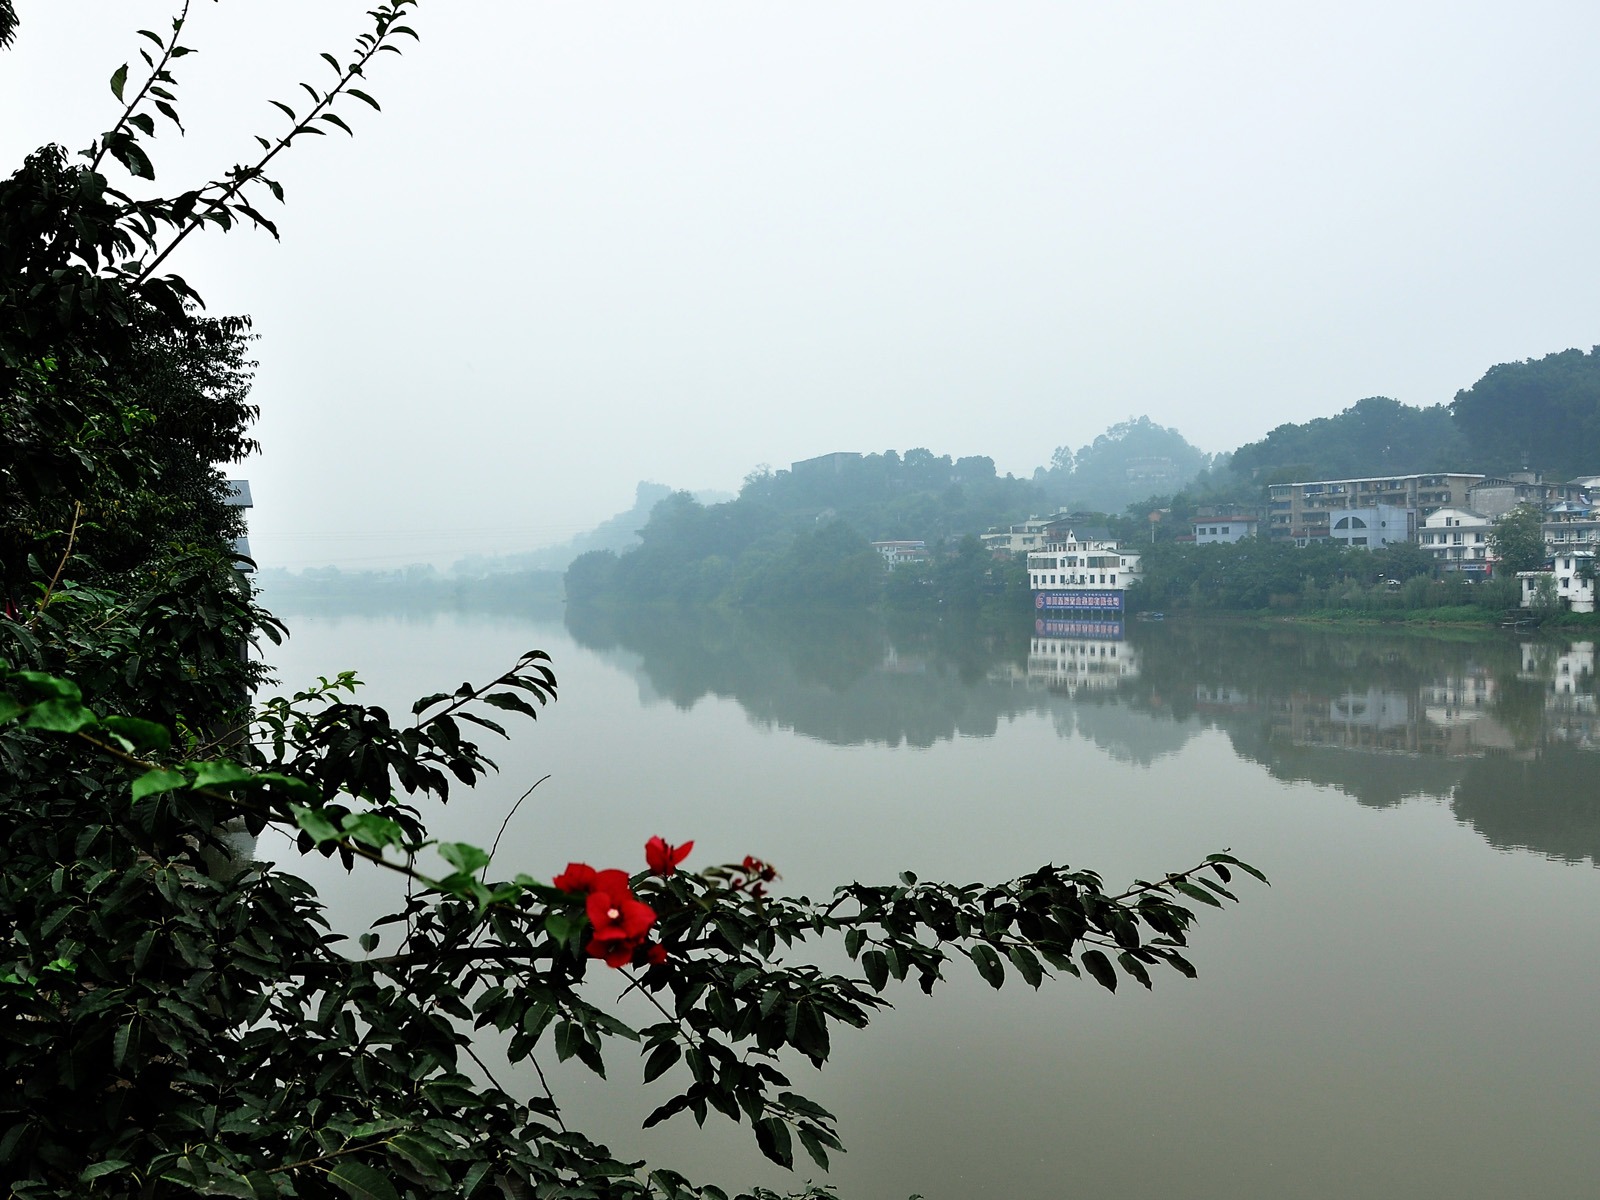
(1124, 733)
(1379, 716)
(838, 677)
(1549, 803)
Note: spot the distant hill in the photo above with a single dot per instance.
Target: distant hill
(617, 533)
(1127, 463)
(803, 534)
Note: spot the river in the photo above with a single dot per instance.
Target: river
(1408, 1011)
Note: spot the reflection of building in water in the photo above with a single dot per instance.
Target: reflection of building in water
(1073, 663)
(1449, 717)
(1375, 707)
(1571, 713)
(1565, 671)
(1221, 698)
(1459, 715)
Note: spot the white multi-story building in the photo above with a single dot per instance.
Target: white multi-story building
(1457, 539)
(1022, 538)
(1571, 525)
(1076, 574)
(895, 553)
(1224, 529)
(1573, 574)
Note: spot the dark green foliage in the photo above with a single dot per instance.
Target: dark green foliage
(801, 536)
(1258, 574)
(1542, 413)
(1375, 436)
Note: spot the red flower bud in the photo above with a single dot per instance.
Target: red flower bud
(662, 857)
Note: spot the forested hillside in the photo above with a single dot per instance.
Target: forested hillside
(802, 534)
(1542, 413)
(1375, 436)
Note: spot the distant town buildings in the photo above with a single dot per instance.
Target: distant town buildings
(1305, 511)
(896, 553)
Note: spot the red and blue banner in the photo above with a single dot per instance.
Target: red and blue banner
(1097, 601)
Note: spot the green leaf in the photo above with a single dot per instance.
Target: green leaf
(110, 1165)
(145, 735)
(10, 708)
(119, 80)
(661, 1060)
(220, 773)
(420, 1157)
(568, 1038)
(50, 685)
(154, 782)
(334, 119)
(1196, 893)
(1100, 967)
(59, 716)
(988, 964)
(875, 965)
(464, 857)
(372, 830)
(1027, 965)
(1134, 967)
(314, 822)
(361, 1182)
(119, 1046)
(772, 1136)
(360, 95)
(813, 1147)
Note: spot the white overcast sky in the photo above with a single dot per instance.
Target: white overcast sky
(591, 243)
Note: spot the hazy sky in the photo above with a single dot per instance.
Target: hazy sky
(588, 244)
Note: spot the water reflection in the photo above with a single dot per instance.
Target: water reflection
(1506, 731)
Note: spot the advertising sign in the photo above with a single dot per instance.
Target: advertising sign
(1099, 601)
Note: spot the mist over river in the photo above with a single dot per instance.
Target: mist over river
(1408, 1011)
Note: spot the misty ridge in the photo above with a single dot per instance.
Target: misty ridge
(805, 532)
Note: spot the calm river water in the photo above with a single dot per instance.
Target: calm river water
(1409, 1010)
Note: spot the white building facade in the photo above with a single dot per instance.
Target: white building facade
(1227, 530)
(1457, 539)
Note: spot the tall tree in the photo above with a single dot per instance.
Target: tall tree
(1517, 540)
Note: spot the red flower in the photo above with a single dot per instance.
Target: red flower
(620, 923)
(662, 857)
(655, 953)
(578, 877)
(618, 920)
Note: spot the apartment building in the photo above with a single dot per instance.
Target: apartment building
(1302, 511)
(1458, 540)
